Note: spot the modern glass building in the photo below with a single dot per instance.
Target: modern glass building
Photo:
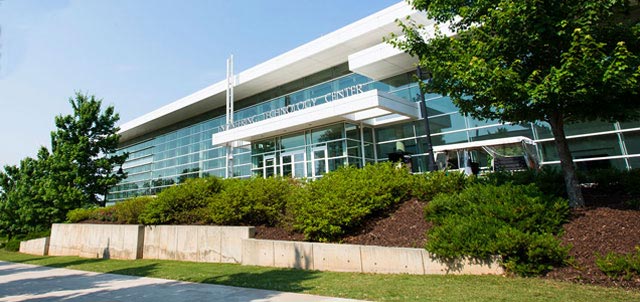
(346, 98)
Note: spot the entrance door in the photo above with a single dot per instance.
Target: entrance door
(319, 161)
(269, 168)
(293, 164)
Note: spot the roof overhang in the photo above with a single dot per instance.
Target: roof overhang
(371, 108)
(381, 61)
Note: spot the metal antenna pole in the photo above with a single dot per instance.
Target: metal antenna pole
(230, 84)
(431, 162)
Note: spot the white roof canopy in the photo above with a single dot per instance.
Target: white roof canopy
(372, 108)
(489, 142)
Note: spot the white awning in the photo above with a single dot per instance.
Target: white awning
(489, 142)
(372, 108)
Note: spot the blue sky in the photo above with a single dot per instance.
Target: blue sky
(139, 55)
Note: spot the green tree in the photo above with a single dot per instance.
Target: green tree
(84, 163)
(533, 60)
(23, 206)
(80, 169)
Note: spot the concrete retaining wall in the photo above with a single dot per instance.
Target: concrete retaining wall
(357, 258)
(38, 246)
(97, 240)
(235, 245)
(195, 243)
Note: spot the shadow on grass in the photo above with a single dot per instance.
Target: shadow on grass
(139, 271)
(74, 263)
(26, 260)
(289, 280)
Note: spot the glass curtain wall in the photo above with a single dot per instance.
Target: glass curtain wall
(314, 152)
(173, 157)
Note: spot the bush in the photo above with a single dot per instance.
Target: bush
(548, 179)
(182, 204)
(254, 201)
(612, 181)
(343, 199)
(620, 265)
(427, 185)
(13, 244)
(129, 211)
(516, 222)
(82, 214)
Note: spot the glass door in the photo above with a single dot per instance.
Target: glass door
(293, 164)
(269, 168)
(319, 161)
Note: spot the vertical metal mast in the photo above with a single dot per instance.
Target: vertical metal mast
(431, 163)
(230, 84)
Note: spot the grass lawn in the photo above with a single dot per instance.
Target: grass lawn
(348, 285)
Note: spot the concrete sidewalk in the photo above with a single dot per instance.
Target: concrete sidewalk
(23, 282)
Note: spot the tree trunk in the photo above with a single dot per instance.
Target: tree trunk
(574, 192)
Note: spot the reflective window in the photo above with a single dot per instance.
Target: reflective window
(327, 134)
(439, 105)
(632, 142)
(449, 138)
(502, 131)
(544, 129)
(394, 132)
(630, 124)
(447, 123)
(292, 141)
(585, 147)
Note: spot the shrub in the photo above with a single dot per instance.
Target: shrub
(344, 198)
(613, 181)
(516, 222)
(620, 265)
(185, 203)
(633, 204)
(82, 214)
(254, 201)
(428, 185)
(548, 179)
(126, 212)
(106, 214)
(129, 211)
(13, 244)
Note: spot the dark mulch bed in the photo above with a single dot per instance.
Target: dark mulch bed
(603, 226)
(404, 226)
(277, 233)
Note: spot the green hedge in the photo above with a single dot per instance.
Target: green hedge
(182, 204)
(254, 201)
(427, 185)
(519, 223)
(126, 212)
(345, 198)
(612, 181)
(13, 244)
(548, 179)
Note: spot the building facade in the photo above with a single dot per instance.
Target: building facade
(346, 98)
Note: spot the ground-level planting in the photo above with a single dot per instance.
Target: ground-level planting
(287, 209)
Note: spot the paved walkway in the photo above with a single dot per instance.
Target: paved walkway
(23, 282)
